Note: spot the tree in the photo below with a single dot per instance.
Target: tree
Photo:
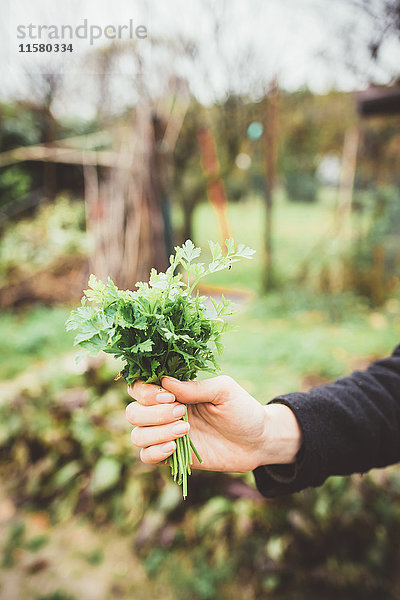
(128, 211)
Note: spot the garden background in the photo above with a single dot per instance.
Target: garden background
(224, 121)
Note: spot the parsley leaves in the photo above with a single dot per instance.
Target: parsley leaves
(162, 328)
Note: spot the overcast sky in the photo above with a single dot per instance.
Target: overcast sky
(241, 44)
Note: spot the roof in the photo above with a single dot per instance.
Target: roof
(379, 101)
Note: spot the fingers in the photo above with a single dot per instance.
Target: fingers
(137, 414)
(157, 454)
(148, 394)
(152, 436)
(215, 390)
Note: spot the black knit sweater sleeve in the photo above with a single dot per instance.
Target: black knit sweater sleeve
(349, 426)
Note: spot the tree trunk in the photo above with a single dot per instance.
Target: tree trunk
(129, 228)
(187, 229)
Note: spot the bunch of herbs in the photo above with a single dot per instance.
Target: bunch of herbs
(162, 328)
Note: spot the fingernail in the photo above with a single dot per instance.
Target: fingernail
(170, 378)
(180, 428)
(165, 397)
(179, 411)
(168, 447)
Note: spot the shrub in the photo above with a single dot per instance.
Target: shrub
(340, 541)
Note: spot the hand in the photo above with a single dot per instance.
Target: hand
(230, 429)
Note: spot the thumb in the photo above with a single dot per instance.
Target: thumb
(193, 392)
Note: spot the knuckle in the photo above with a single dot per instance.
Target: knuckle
(145, 395)
(135, 389)
(164, 414)
(225, 383)
(148, 393)
(224, 388)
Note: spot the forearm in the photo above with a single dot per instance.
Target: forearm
(348, 426)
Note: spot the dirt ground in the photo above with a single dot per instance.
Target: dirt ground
(69, 561)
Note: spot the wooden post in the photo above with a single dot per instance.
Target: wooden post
(348, 171)
(215, 185)
(92, 209)
(49, 167)
(271, 134)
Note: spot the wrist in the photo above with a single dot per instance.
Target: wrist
(282, 438)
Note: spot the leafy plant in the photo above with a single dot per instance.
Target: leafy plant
(162, 328)
(32, 244)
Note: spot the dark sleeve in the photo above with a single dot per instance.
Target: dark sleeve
(349, 426)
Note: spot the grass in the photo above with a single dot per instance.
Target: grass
(274, 352)
(276, 343)
(291, 334)
(79, 561)
(280, 340)
(32, 337)
(297, 229)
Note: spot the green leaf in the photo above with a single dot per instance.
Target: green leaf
(154, 364)
(218, 265)
(96, 289)
(167, 334)
(230, 244)
(197, 270)
(87, 331)
(244, 251)
(66, 474)
(189, 251)
(105, 474)
(215, 248)
(145, 346)
(219, 346)
(161, 328)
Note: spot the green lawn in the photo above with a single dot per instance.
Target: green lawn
(297, 229)
(275, 343)
(272, 353)
(32, 337)
(292, 333)
(280, 339)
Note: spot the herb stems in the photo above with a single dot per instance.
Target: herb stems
(181, 459)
